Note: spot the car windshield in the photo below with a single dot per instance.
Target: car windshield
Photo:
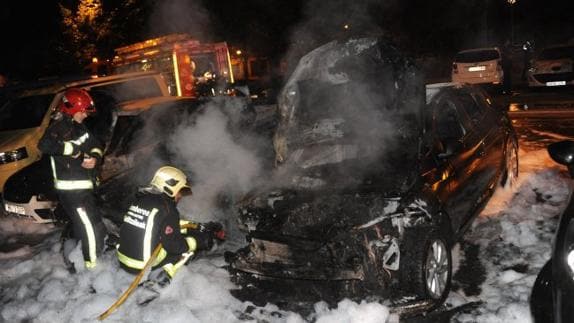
(24, 112)
(130, 90)
(349, 117)
(477, 56)
(557, 53)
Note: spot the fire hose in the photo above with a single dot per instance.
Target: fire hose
(139, 277)
(133, 285)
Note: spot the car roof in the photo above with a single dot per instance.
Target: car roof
(58, 85)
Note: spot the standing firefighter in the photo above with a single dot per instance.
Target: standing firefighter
(74, 154)
(153, 218)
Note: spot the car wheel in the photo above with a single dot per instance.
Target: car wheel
(426, 265)
(510, 174)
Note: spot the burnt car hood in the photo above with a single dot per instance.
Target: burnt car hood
(350, 121)
(350, 114)
(347, 154)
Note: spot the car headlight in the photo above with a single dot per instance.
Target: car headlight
(13, 155)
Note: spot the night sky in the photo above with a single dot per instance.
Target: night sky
(33, 42)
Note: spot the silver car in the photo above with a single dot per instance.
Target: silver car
(553, 67)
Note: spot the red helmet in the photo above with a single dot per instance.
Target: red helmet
(76, 100)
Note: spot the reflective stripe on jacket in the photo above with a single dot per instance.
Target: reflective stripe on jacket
(67, 141)
(150, 219)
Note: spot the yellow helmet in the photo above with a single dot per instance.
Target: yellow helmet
(170, 181)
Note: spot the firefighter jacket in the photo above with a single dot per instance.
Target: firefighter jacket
(152, 218)
(67, 142)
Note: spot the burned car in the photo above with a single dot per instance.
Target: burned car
(376, 178)
(553, 289)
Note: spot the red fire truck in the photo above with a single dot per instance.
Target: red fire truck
(186, 64)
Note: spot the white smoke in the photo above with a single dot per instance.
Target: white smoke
(221, 166)
(180, 16)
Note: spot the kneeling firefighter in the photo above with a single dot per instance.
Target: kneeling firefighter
(153, 218)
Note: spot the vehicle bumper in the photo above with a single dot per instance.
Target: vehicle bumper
(277, 260)
(485, 79)
(39, 211)
(550, 79)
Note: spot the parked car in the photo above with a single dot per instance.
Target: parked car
(553, 289)
(25, 113)
(374, 182)
(28, 114)
(554, 66)
(478, 66)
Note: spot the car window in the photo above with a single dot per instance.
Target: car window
(477, 56)
(482, 101)
(24, 112)
(130, 90)
(557, 53)
(101, 123)
(447, 122)
(123, 137)
(469, 105)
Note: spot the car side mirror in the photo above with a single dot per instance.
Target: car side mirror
(450, 147)
(562, 152)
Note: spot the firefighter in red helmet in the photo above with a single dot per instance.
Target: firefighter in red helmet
(74, 156)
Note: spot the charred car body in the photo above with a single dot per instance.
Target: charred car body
(373, 184)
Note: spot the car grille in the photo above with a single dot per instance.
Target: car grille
(12, 156)
(553, 77)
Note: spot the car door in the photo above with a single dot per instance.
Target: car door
(463, 150)
(490, 124)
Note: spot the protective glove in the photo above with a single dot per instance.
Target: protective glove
(159, 277)
(215, 229)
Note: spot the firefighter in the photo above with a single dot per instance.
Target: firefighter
(74, 156)
(153, 218)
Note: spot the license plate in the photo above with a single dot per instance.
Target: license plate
(557, 83)
(15, 209)
(477, 68)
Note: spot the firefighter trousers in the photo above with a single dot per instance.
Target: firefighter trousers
(80, 207)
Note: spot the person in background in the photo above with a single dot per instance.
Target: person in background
(153, 218)
(74, 154)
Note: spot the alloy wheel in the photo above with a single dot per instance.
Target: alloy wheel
(437, 269)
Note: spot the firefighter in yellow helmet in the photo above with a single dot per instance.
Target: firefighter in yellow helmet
(153, 218)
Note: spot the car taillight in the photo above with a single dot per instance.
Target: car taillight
(454, 68)
(13, 155)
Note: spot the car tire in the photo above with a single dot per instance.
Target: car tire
(426, 264)
(510, 173)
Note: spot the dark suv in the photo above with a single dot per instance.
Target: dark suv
(374, 184)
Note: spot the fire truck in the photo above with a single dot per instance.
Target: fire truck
(190, 67)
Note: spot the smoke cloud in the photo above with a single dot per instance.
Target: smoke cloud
(180, 16)
(223, 164)
(324, 21)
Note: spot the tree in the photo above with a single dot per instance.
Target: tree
(85, 27)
